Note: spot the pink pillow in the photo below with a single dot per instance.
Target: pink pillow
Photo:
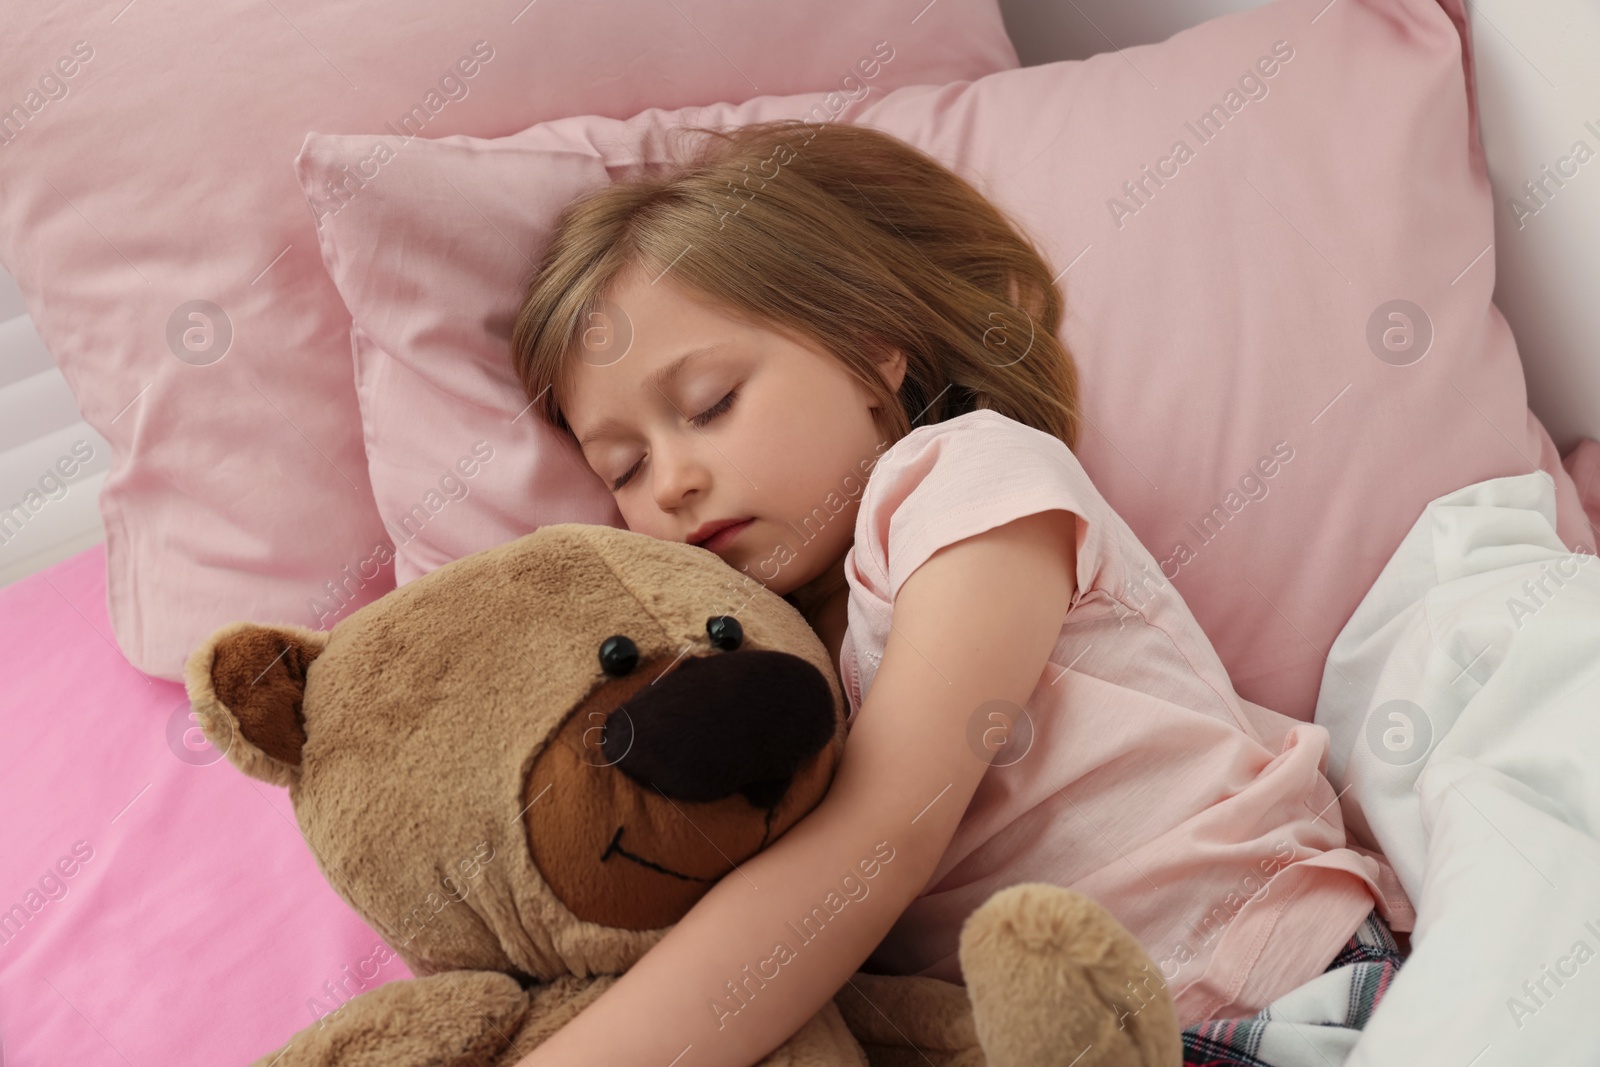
(1582, 462)
(1284, 330)
(150, 217)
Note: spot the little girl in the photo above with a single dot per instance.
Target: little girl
(817, 353)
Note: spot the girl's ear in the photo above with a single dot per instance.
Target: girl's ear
(246, 683)
(892, 365)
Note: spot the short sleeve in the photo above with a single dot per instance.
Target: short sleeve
(952, 480)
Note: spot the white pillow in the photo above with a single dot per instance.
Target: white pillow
(1538, 74)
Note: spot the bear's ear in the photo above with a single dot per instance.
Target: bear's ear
(246, 683)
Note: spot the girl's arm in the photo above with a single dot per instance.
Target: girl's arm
(975, 623)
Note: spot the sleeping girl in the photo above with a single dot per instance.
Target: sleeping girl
(819, 354)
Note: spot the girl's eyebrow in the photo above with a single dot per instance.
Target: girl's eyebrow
(654, 380)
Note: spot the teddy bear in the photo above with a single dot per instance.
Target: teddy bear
(522, 768)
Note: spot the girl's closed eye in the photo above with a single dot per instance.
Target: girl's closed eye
(719, 408)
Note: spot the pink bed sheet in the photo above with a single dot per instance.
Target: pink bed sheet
(194, 925)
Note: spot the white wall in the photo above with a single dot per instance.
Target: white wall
(39, 427)
(1045, 31)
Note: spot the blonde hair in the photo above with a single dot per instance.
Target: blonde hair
(838, 234)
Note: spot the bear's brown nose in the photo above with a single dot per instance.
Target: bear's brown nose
(740, 722)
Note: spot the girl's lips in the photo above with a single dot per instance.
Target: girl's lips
(717, 541)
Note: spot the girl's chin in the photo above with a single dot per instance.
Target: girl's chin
(772, 561)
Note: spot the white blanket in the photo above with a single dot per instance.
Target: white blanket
(1463, 702)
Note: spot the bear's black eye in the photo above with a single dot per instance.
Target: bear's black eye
(725, 632)
(618, 655)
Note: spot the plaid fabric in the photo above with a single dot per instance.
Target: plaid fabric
(1315, 1025)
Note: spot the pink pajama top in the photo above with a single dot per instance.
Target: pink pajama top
(1202, 821)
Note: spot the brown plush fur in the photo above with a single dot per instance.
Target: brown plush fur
(445, 750)
(1041, 964)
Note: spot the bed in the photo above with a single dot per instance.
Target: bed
(148, 889)
(157, 908)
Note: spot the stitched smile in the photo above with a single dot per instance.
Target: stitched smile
(641, 861)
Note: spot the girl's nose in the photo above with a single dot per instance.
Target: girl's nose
(677, 470)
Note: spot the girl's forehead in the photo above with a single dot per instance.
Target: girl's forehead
(590, 397)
